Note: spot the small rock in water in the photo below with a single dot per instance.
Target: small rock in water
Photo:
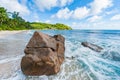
(92, 46)
(44, 55)
(70, 57)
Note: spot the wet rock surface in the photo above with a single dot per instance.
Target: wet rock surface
(92, 46)
(44, 54)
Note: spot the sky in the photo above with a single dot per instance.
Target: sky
(79, 14)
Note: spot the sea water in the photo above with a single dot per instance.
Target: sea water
(87, 64)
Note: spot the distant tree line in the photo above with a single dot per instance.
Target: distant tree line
(12, 21)
(58, 26)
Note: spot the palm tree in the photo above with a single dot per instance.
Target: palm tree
(3, 15)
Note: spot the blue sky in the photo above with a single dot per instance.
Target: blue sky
(79, 14)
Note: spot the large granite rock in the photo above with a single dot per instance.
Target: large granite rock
(43, 54)
(92, 46)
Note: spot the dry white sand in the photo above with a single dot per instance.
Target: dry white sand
(8, 33)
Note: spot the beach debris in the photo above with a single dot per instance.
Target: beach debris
(92, 46)
(44, 55)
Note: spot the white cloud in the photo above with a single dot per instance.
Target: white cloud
(75, 25)
(116, 17)
(96, 7)
(63, 14)
(96, 26)
(48, 21)
(36, 17)
(99, 5)
(14, 5)
(94, 18)
(45, 4)
(48, 4)
(80, 13)
(64, 2)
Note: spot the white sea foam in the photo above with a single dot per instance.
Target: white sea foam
(15, 58)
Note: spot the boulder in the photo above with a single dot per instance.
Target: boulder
(44, 55)
(92, 46)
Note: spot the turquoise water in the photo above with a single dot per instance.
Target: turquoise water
(87, 64)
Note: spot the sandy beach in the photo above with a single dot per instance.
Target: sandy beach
(8, 33)
(12, 44)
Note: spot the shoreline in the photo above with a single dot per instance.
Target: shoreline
(8, 33)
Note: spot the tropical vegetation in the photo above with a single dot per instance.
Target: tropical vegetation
(39, 25)
(12, 21)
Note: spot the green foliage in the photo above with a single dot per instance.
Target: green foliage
(3, 16)
(62, 26)
(39, 25)
(15, 22)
